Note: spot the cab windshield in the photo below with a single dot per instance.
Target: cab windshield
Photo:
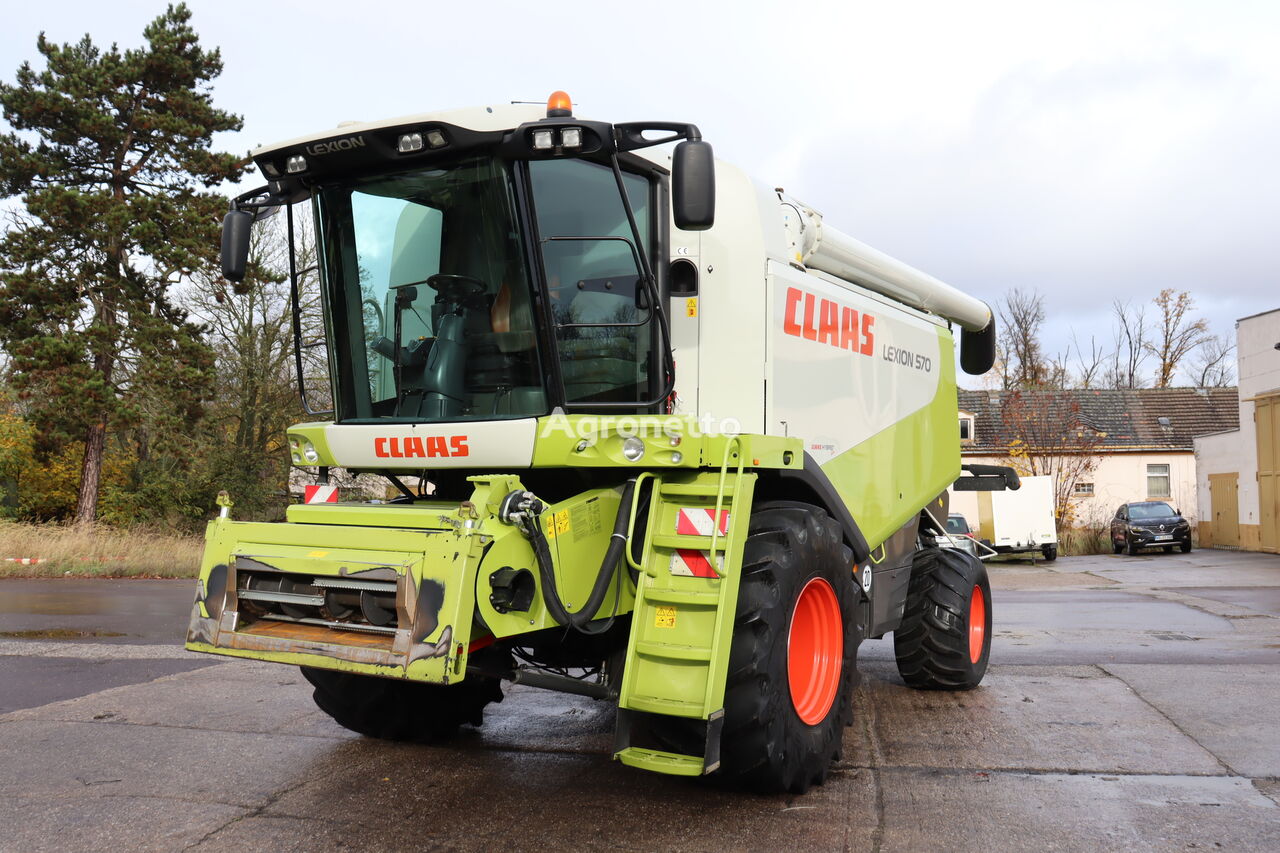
(430, 298)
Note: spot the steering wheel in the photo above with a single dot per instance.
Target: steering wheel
(456, 288)
(370, 334)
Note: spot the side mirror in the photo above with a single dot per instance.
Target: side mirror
(236, 227)
(693, 185)
(978, 349)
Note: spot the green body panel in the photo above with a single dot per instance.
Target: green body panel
(578, 531)
(595, 441)
(428, 566)
(888, 478)
(456, 547)
(300, 434)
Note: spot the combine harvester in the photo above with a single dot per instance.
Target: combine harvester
(661, 437)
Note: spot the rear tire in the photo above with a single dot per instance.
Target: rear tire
(1050, 553)
(1168, 549)
(1116, 547)
(792, 667)
(944, 641)
(393, 709)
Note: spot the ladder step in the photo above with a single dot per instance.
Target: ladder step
(673, 651)
(701, 598)
(662, 762)
(695, 490)
(689, 543)
(671, 707)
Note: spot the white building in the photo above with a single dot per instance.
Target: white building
(1139, 443)
(1239, 500)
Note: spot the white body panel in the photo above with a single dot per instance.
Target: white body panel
(465, 444)
(732, 311)
(843, 364)
(498, 117)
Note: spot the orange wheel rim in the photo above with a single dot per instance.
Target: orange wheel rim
(815, 651)
(977, 624)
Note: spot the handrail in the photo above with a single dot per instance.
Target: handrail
(734, 441)
(631, 521)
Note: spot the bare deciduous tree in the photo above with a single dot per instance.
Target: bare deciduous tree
(1176, 333)
(1021, 316)
(1131, 345)
(1212, 364)
(1090, 365)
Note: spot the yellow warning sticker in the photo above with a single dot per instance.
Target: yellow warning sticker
(562, 521)
(664, 616)
(315, 555)
(691, 307)
(551, 524)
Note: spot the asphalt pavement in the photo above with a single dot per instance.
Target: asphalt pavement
(1131, 704)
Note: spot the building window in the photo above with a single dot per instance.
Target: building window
(1083, 489)
(1158, 481)
(966, 428)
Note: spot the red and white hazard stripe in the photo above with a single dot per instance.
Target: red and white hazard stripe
(689, 562)
(321, 494)
(25, 561)
(698, 522)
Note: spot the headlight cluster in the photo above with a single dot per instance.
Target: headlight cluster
(302, 451)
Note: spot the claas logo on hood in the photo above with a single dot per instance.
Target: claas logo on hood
(420, 447)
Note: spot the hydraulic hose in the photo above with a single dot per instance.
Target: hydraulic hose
(530, 525)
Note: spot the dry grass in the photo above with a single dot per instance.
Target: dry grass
(96, 552)
(1088, 539)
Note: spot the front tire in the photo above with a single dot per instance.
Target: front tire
(1185, 546)
(944, 641)
(792, 666)
(1133, 549)
(393, 709)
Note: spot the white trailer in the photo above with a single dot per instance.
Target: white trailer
(1016, 522)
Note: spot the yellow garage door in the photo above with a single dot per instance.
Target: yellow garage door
(1224, 497)
(1268, 422)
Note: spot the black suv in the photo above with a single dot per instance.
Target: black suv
(1149, 524)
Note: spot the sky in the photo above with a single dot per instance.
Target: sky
(1090, 151)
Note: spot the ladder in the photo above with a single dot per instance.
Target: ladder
(682, 624)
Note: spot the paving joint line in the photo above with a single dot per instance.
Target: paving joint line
(1051, 771)
(877, 785)
(1173, 722)
(252, 812)
(336, 737)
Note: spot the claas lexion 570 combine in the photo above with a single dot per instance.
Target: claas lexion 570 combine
(661, 437)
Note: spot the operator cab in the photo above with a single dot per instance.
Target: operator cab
(473, 275)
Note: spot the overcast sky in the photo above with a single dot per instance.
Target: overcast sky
(1088, 150)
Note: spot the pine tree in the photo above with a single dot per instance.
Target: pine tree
(111, 156)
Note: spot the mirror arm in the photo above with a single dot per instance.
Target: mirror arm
(629, 136)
